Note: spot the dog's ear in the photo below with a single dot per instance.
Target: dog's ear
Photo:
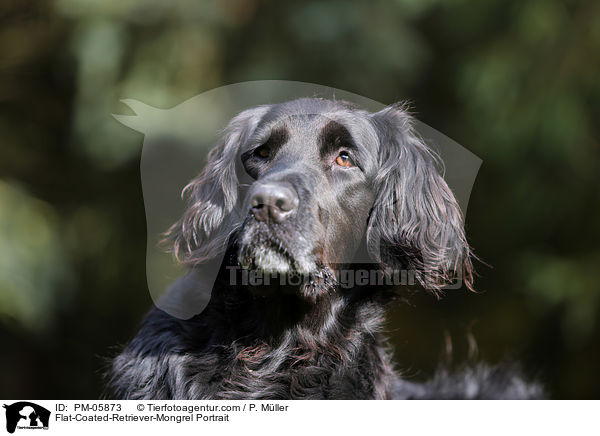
(416, 224)
(211, 216)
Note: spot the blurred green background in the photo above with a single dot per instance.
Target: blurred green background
(515, 82)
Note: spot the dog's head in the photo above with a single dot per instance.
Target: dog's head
(302, 186)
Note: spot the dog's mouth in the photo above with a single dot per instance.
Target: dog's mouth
(262, 250)
(269, 255)
(272, 264)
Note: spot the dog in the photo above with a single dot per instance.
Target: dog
(296, 193)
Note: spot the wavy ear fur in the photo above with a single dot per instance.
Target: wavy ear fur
(210, 217)
(416, 223)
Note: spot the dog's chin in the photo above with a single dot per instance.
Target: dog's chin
(261, 249)
(273, 272)
(276, 266)
(275, 260)
(265, 260)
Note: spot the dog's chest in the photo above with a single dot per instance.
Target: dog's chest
(292, 372)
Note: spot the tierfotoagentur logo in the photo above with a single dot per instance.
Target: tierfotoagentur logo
(176, 145)
(346, 278)
(25, 415)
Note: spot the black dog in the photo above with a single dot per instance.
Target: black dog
(297, 193)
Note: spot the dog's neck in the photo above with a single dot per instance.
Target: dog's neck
(268, 311)
(285, 338)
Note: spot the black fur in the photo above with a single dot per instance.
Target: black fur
(384, 208)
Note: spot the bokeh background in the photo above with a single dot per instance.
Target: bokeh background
(515, 82)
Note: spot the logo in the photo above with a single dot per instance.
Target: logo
(176, 139)
(26, 415)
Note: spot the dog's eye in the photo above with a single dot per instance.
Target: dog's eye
(263, 152)
(344, 160)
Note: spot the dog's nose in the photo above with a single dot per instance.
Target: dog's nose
(273, 202)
